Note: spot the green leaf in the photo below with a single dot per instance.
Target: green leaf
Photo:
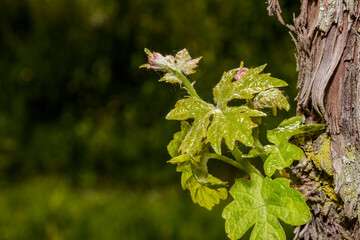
(285, 130)
(224, 87)
(198, 163)
(180, 159)
(291, 127)
(257, 152)
(200, 170)
(203, 195)
(272, 98)
(174, 145)
(282, 154)
(232, 123)
(244, 88)
(200, 111)
(170, 78)
(200, 173)
(184, 63)
(261, 202)
(205, 189)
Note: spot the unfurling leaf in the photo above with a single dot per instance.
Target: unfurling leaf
(184, 63)
(181, 63)
(272, 98)
(261, 202)
(169, 78)
(158, 62)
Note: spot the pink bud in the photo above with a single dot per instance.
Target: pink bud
(241, 73)
(181, 63)
(157, 61)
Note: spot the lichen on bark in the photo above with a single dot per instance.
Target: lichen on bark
(319, 153)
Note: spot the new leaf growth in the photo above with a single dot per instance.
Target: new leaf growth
(259, 201)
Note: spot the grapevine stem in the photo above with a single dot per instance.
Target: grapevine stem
(226, 160)
(247, 166)
(187, 84)
(257, 142)
(240, 162)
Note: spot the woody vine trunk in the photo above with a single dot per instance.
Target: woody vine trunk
(326, 34)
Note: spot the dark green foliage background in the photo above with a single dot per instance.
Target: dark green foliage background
(82, 130)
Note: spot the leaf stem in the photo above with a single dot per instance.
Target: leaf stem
(226, 160)
(186, 82)
(247, 166)
(257, 142)
(249, 103)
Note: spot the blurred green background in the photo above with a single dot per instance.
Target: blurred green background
(82, 130)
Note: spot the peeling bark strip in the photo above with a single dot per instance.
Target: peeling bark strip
(274, 6)
(323, 29)
(329, 69)
(328, 61)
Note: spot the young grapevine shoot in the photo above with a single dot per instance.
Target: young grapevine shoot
(263, 198)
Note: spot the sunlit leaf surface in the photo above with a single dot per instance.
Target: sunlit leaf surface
(261, 202)
(231, 124)
(282, 153)
(198, 110)
(201, 194)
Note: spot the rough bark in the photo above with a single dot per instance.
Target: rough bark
(328, 61)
